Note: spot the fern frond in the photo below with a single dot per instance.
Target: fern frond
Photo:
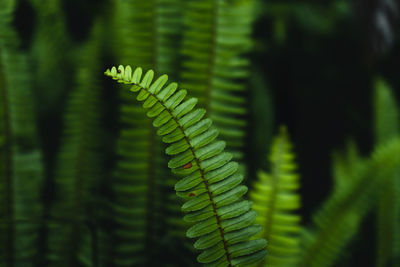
(50, 49)
(211, 186)
(147, 33)
(215, 37)
(337, 221)
(343, 166)
(388, 228)
(21, 169)
(275, 200)
(152, 36)
(386, 112)
(78, 165)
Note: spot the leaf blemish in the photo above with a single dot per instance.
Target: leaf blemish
(188, 166)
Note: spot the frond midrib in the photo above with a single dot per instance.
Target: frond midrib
(275, 181)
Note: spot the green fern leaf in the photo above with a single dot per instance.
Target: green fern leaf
(78, 166)
(338, 220)
(50, 49)
(343, 166)
(215, 37)
(210, 169)
(386, 128)
(21, 167)
(275, 200)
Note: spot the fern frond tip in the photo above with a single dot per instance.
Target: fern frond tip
(128, 76)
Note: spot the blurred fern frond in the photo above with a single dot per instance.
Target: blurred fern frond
(344, 166)
(211, 184)
(215, 38)
(143, 203)
(21, 169)
(388, 226)
(338, 220)
(50, 53)
(275, 200)
(78, 164)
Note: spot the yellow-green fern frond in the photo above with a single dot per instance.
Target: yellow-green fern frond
(211, 187)
(338, 220)
(386, 128)
(275, 199)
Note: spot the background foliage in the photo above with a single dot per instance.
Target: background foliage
(83, 176)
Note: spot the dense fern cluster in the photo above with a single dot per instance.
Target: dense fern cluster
(95, 174)
(21, 169)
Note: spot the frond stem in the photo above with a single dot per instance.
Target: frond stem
(275, 180)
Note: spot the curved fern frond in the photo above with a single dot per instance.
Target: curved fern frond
(386, 128)
(275, 200)
(215, 37)
(338, 220)
(211, 186)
